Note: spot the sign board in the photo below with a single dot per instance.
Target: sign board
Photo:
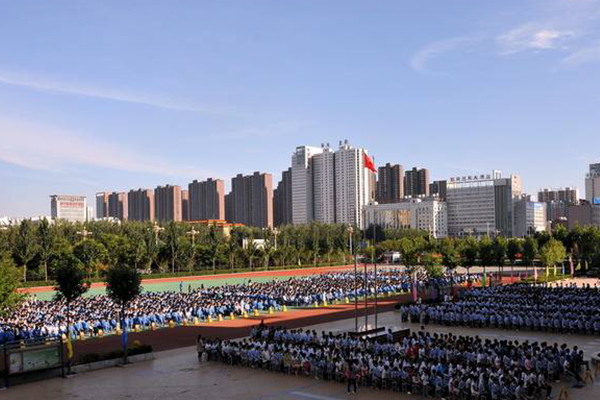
(23, 356)
(34, 359)
(596, 200)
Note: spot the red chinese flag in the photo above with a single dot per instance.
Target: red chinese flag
(369, 163)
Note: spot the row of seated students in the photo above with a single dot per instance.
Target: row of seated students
(437, 365)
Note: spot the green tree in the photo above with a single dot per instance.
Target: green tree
(123, 285)
(231, 250)
(500, 248)
(530, 250)
(561, 233)
(589, 244)
(450, 255)
(469, 250)
(151, 244)
(9, 282)
(551, 254)
(409, 252)
(368, 253)
(25, 246)
(250, 252)
(91, 253)
(70, 286)
(431, 260)
(514, 249)
(214, 242)
(173, 243)
(46, 239)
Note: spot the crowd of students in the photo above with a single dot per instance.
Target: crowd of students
(440, 365)
(562, 309)
(92, 315)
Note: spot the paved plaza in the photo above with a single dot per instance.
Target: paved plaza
(176, 374)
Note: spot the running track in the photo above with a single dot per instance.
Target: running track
(275, 273)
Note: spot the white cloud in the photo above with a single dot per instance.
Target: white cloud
(532, 36)
(51, 85)
(48, 148)
(419, 60)
(584, 55)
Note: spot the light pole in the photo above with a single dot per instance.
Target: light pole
(193, 232)
(375, 269)
(352, 252)
(85, 233)
(156, 229)
(275, 233)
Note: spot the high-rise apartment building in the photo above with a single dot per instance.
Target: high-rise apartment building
(282, 200)
(592, 185)
(185, 205)
(167, 203)
(558, 201)
(438, 189)
(568, 195)
(429, 215)
(530, 217)
(68, 207)
(323, 186)
(330, 186)
(390, 184)
(117, 206)
(416, 182)
(352, 185)
(140, 205)
(250, 201)
(102, 205)
(207, 199)
(482, 204)
(302, 197)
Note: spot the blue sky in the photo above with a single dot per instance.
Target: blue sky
(125, 94)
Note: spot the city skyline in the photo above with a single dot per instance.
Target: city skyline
(123, 96)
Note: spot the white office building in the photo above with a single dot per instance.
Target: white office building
(68, 207)
(482, 204)
(428, 214)
(90, 215)
(352, 185)
(592, 185)
(323, 183)
(530, 217)
(302, 198)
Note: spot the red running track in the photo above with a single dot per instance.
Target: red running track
(285, 272)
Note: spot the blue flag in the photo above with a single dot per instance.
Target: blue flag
(124, 336)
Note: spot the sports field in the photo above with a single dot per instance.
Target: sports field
(194, 282)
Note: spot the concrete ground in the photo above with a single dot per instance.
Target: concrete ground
(177, 374)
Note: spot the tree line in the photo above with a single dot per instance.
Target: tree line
(37, 249)
(581, 245)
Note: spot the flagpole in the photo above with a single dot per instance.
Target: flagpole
(353, 253)
(375, 271)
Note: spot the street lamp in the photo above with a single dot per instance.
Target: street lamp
(156, 229)
(84, 233)
(193, 234)
(275, 233)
